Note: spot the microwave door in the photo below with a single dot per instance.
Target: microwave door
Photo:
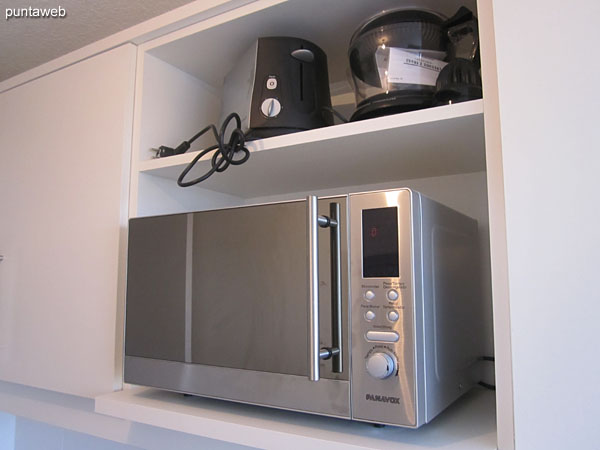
(218, 306)
(156, 292)
(250, 288)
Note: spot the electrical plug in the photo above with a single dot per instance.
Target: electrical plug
(163, 150)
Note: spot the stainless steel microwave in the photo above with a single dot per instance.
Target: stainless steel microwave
(360, 306)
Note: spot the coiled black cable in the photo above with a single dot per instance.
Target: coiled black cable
(224, 155)
(482, 383)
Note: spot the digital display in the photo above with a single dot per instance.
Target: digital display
(380, 243)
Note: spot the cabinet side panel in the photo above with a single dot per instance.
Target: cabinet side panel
(497, 231)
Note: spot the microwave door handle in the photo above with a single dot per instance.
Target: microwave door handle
(314, 356)
(315, 353)
(336, 287)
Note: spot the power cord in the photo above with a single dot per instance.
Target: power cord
(224, 152)
(491, 387)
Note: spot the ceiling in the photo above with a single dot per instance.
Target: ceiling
(27, 42)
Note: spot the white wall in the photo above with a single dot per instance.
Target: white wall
(549, 74)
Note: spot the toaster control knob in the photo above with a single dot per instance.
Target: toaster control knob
(381, 365)
(270, 107)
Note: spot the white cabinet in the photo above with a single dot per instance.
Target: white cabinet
(58, 330)
(65, 142)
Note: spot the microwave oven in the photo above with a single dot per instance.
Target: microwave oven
(361, 306)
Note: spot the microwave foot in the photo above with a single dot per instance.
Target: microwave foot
(378, 425)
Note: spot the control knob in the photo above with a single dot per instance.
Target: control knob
(381, 365)
(270, 107)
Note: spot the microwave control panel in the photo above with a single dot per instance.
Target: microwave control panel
(383, 337)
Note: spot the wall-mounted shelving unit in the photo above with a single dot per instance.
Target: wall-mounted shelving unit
(440, 151)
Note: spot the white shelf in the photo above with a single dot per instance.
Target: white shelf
(432, 142)
(468, 424)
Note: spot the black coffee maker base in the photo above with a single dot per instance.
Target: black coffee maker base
(388, 104)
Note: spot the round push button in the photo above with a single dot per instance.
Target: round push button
(393, 316)
(369, 315)
(271, 83)
(392, 295)
(369, 295)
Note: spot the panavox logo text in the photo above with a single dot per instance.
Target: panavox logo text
(383, 399)
(35, 13)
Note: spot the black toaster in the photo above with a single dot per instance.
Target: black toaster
(280, 85)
